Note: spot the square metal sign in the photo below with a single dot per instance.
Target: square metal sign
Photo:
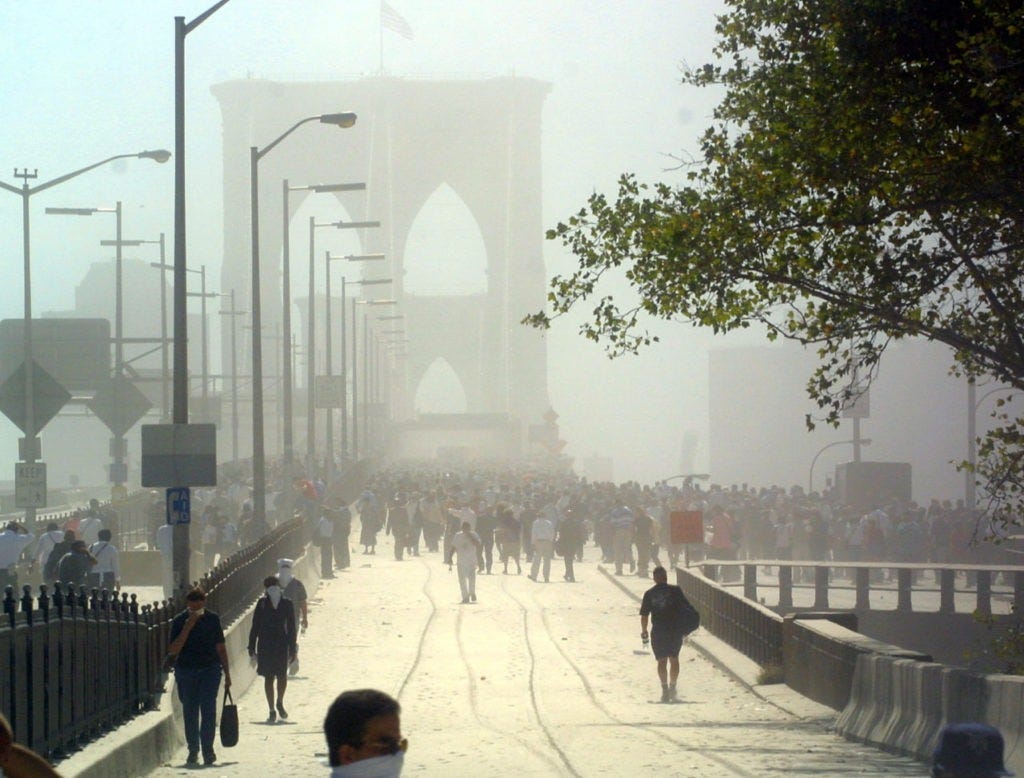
(29, 485)
(179, 455)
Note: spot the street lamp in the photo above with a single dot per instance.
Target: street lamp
(328, 366)
(202, 294)
(355, 378)
(234, 314)
(259, 476)
(286, 294)
(165, 404)
(854, 442)
(311, 341)
(30, 448)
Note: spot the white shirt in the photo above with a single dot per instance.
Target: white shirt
(11, 546)
(464, 544)
(89, 529)
(106, 559)
(165, 539)
(46, 543)
(543, 529)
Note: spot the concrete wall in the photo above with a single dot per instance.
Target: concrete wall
(900, 705)
(149, 740)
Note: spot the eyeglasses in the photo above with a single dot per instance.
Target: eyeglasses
(387, 746)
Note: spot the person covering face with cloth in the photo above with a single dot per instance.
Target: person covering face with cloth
(273, 643)
(197, 640)
(364, 735)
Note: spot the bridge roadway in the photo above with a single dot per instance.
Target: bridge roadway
(535, 680)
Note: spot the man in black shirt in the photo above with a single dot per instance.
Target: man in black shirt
(197, 640)
(665, 605)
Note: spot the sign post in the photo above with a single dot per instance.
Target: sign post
(172, 455)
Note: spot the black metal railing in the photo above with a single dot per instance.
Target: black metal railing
(79, 663)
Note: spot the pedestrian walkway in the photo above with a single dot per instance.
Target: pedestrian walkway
(535, 680)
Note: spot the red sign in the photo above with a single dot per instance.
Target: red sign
(686, 526)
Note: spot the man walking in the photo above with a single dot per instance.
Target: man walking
(466, 545)
(106, 573)
(197, 640)
(323, 538)
(13, 541)
(542, 536)
(667, 607)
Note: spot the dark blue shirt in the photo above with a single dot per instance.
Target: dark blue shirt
(200, 647)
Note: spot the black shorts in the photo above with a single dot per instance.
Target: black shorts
(666, 643)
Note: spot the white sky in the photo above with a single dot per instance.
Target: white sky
(84, 81)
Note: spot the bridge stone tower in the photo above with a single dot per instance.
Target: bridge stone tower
(482, 138)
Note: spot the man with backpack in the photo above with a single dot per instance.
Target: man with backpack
(673, 618)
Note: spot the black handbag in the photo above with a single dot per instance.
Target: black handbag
(228, 721)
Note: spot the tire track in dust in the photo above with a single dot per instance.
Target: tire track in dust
(423, 633)
(648, 728)
(474, 701)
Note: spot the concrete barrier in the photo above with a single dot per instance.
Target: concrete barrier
(149, 740)
(900, 705)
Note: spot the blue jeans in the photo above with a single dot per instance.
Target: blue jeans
(197, 690)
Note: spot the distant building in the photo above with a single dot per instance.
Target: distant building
(758, 402)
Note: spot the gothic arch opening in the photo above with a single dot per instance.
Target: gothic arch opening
(440, 390)
(445, 253)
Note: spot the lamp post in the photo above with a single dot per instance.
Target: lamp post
(234, 313)
(854, 442)
(259, 476)
(202, 294)
(118, 469)
(355, 374)
(165, 403)
(328, 362)
(286, 304)
(29, 445)
(311, 340)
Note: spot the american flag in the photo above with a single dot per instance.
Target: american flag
(394, 21)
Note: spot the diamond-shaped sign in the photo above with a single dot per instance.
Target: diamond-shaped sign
(119, 405)
(48, 397)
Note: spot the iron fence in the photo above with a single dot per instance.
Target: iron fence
(80, 662)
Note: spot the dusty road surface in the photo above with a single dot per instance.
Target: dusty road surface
(535, 679)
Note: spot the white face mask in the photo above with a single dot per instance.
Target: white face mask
(389, 766)
(199, 611)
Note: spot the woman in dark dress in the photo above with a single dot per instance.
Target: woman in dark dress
(273, 643)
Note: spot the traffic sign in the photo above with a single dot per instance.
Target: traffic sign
(686, 526)
(29, 484)
(179, 508)
(119, 404)
(48, 397)
(179, 455)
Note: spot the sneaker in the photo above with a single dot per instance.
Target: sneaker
(281, 711)
(272, 717)
(665, 694)
(532, 577)
(210, 758)
(193, 757)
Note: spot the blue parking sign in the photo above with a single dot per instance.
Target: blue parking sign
(179, 505)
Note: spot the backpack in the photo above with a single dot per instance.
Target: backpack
(688, 617)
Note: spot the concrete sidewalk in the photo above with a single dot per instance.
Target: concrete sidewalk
(536, 679)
